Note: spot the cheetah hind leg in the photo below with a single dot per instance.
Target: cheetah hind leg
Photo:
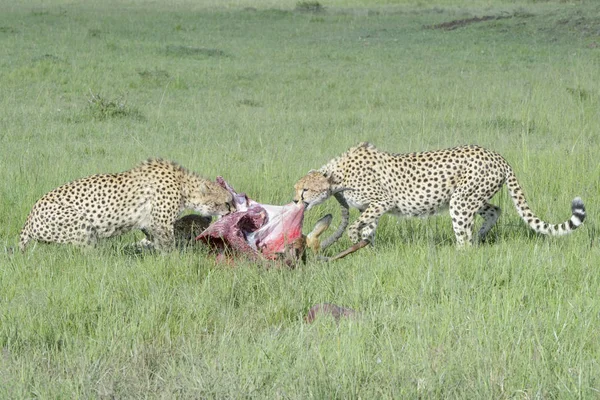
(490, 214)
(72, 229)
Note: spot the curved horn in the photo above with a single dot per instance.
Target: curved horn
(345, 209)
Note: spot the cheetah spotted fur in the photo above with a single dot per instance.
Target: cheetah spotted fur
(463, 178)
(148, 197)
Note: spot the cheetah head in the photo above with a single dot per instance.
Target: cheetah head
(313, 189)
(209, 198)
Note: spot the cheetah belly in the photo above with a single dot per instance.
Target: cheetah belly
(419, 210)
(143, 215)
(353, 203)
(123, 220)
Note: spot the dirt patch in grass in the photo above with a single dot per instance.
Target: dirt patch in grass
(587, 26)
(459, 23)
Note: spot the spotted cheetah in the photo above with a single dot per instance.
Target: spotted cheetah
(463, 178)
(148, 197)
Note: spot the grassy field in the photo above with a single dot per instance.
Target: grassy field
(260, 92)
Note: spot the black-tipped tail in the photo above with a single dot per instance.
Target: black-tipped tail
(578, 210)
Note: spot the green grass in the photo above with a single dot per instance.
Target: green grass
(261, 95)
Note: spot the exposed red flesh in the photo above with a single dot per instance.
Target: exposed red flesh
(255, 230)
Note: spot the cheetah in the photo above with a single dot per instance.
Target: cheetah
(148, 197)
(463, 179)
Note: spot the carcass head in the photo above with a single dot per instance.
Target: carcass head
(312, 239)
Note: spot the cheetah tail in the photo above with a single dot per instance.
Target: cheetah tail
(518, 198)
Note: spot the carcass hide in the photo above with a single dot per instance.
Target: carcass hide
(259, 231)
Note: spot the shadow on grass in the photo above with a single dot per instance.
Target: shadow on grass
(309, 6)
(8, 29)
(189, 51)
(156, 75)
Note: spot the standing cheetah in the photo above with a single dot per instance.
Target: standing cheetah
(148, 197)
(420, 184)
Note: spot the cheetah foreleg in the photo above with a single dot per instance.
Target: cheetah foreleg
(364, 227)
(362, 231)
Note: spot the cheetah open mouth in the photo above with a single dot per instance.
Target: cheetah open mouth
(255, 229)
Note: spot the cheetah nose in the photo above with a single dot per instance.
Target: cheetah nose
(299, 201)
(304, 203)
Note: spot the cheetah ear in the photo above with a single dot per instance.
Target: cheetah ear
(203, 187)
